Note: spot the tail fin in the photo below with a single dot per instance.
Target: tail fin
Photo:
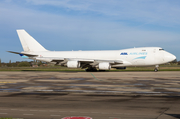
(28, 42)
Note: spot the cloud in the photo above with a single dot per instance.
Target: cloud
(148, 12)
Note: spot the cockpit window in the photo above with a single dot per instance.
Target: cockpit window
(161, 49)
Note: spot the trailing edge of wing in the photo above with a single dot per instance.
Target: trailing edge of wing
(29, 55)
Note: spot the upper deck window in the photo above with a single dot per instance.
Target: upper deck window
(161, 49)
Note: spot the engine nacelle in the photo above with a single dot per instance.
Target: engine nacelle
(104, 66)
(73, 64)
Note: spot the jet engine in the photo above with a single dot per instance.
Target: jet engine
(104, 66)
(73, 64)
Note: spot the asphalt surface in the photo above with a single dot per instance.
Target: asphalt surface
(99, 95)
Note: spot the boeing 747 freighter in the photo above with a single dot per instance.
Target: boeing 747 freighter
(93, 60)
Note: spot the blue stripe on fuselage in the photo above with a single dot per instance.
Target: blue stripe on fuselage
(23, 56)
(142, 57)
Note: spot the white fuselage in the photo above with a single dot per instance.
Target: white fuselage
(144, 56)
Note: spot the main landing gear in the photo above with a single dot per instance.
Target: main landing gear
(156, 68)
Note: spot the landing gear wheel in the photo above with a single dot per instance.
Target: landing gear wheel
(156, 69)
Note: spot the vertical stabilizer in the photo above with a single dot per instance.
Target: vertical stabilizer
(29, 44)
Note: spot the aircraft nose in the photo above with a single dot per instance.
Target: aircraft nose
(169, 57)
(174, 57)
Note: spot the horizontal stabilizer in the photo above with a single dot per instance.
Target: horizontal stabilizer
(29, 55)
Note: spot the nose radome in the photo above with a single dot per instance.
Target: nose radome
(169, 57)
(174, 57)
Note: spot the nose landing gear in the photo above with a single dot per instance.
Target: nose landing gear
(156, 68)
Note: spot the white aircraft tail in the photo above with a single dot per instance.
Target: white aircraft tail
(29, 44)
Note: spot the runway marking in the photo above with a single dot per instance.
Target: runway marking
(28, 114)
(55, 115)
(3, 113)
(95, 77)
(62, 111)
(13, 109)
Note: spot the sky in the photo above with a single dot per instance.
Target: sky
(65, 25)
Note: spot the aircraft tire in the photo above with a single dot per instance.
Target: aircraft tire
(156, 70)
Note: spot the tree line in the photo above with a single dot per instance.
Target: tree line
(34, 63)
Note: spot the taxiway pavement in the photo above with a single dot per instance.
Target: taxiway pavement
(100, 95)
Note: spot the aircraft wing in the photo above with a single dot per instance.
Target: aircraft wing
(84, 62)
(63, 61)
